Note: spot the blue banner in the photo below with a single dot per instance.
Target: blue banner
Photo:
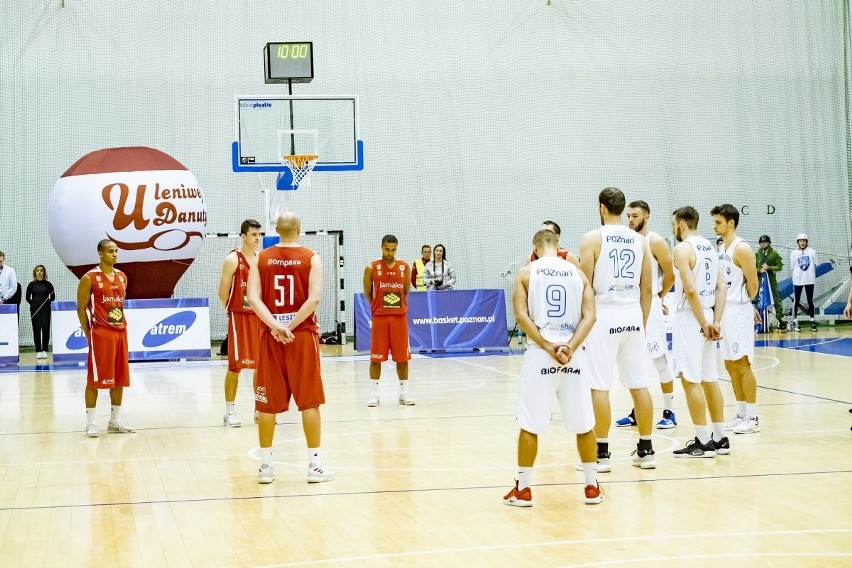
(445, 320)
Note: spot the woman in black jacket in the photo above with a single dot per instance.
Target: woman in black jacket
(39, 296)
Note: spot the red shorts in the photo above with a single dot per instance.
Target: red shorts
(108, 365)
(389, 333)
(291, 369)
(243, 340)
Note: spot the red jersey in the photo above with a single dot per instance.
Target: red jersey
(106, 300)
(237, 299)
(561, 253)
(389, 287)
(284, 274)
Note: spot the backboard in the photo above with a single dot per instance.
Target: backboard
(268, 128)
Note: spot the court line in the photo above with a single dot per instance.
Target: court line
(709, 556)
(498, 488)
(460, 360)
(575, 542)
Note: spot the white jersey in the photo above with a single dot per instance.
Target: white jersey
(704, 273)
(619, 265)
(804, 266)
(734, 278)
(656, 273)
(554, 298)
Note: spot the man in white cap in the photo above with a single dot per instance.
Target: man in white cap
(804, 262)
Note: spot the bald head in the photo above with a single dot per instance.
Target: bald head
(288, 226)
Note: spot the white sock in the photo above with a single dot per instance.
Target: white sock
(668, 399)
(741, 408)
(524, 477)
(314, 457)
(229, 407)
(90, 415)
(751, 410)
(374, 386)
(703, 434)
(718, 431)
(403, 387)
(590, 473)
(265, 456)
(113, 413)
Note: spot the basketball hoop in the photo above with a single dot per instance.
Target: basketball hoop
(301, 166)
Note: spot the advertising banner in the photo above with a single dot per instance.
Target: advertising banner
(445, 320)
(176, 328)
(8, 334)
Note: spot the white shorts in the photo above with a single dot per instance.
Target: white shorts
(694, 358)
(542, 377)
(655, 330)
(618, 338)
(738, 332)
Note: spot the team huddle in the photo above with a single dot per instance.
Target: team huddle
(585, 318)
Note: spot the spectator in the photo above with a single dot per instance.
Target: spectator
(39, 296)
(418, 268)
(8, 281)
(440, 274)
(803, 261)
(769, 261)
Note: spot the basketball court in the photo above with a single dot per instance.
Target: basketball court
(501, 115)
(421, 485)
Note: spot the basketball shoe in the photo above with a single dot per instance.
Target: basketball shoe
(515, 498)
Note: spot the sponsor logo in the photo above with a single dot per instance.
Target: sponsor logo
(169, 329)
(563, 370)
(112, 299)
(375, 356)
(77, 340)
(279, 262)
(654, 347)
(394, 285)
(552, 272)
(711, 292)
(255, 104)
(108, 382)
(703, 248)
(248, 361)
(624, 329)
(621, 288)
(391, 299)
(260, 395)
(617, 239)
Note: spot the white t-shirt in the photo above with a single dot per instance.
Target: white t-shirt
(554, 298)
(804, 266)
(734, 278)
(704, 273)
(619, 265)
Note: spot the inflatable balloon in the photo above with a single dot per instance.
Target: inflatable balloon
(141, 198)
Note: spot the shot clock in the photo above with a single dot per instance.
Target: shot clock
(289, 62)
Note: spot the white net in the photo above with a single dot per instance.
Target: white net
(301, 166)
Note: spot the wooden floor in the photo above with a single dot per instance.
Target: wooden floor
(416, 486)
